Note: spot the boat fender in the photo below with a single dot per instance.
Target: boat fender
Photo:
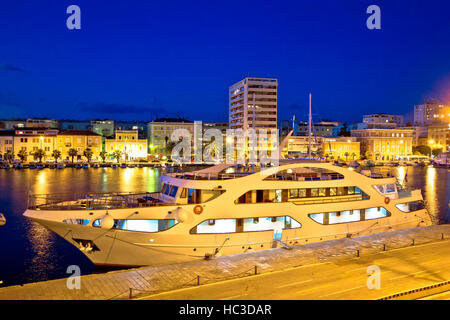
(198, 209)
(107, 222)
(2, 220)
(180, 215)
(387, 200)
(422, 224)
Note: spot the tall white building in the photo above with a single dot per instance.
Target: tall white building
(431, 113)
(253, 98)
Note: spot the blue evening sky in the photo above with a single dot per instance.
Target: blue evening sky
(141, 59)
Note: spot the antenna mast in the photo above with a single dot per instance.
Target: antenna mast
(309, 127)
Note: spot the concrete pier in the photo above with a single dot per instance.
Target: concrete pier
(333, 269)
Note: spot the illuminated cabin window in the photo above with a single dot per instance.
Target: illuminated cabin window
(375, 213)
(385, 188)
(147, 225)
(305, 174)
(411, 206)
(347, 216)
(283, 195)
(245, 225)
(216, 226)
(83, 222)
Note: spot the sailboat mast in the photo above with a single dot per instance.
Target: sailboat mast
(309, 127)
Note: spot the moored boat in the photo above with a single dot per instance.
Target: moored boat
(226, 209)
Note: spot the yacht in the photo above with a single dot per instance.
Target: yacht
(229, 209)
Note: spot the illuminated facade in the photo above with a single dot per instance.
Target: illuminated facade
(341, 148)
(128, 142)
(160, 131)
(79, 140)
(439, 137)
(6, 142)
(32, 139)
(385, 144)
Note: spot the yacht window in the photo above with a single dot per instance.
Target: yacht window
(173, 191)
(351, 190)
(293, 193)
(411, 206)
(153, 225)
(322, 192)
(83, 222)
(219, 226)
(314, 192)
(164, 188)
(390, 188)
(375, 213)
(341, 191)
(333, 191)
(183, 193)
(166, 192)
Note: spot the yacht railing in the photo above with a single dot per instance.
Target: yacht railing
(93, 201)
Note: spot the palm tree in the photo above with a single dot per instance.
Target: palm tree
(56, 154)
(117, 154)
(103, 155)
(368, 154)
(353, 155)
(346, 156)
(22, 154)
(72, 153)
(9, 155)
(39, 154)
(88, 154)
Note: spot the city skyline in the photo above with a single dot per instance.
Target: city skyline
(136, 62)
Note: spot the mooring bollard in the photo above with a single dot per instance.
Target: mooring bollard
(131, 293)
(412, 241)
(256, 269)
(357, 252)
(442, 236)
(198, 280)
(384, 246)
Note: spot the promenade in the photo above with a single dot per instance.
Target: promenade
(336, 269)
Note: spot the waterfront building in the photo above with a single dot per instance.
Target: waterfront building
(341, 148)
(438, 137)
(80, 140)
(32, 139)
(382, 121)
(160, 131)
(385, 144)
(129, 144)
(298, 146)
(6, 142)
(431, 112)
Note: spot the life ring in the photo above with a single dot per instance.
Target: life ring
(198, 209)
(387, 200)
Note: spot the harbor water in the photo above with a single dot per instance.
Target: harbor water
(29, 252)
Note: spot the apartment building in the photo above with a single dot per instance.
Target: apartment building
(431, 113)
(253, 104)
